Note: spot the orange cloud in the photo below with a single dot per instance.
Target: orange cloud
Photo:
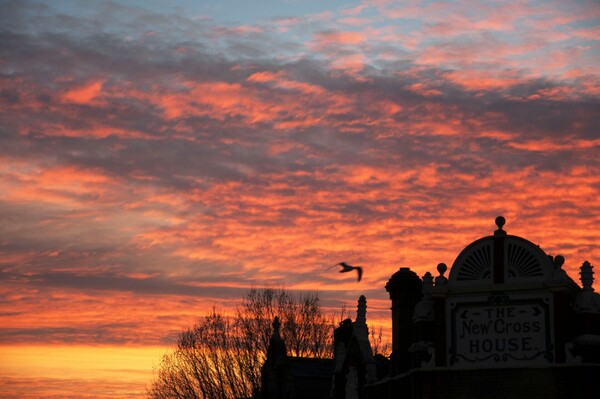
(484, 80)
(83, 94)
(68, 187)
(265, 76)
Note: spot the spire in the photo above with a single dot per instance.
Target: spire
(276, 352)
(360, 325)
(361, 312)
(361, 334)
(276, 326)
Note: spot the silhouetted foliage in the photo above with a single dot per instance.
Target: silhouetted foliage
(378, 345)
(221, 357)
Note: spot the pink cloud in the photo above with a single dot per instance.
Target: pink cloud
(352, 63)
(424, 90)
(484, 80)
(265, 77)
(324, 39)
(591, 33)
(355, 10)
(83, 94)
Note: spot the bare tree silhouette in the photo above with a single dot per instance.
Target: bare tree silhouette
(221, 357)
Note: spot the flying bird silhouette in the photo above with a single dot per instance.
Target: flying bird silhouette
(348, 268)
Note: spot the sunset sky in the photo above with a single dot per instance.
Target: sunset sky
(161, 157)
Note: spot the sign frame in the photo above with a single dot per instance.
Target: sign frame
(461, 311)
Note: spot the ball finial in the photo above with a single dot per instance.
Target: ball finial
(559, 261)
(441, 268)
(500, 221)
(441, 281)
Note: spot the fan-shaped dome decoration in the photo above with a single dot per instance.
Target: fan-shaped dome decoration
(521, 261)
(517, 260)
(476, 263)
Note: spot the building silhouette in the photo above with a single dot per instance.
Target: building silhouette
(507, 322)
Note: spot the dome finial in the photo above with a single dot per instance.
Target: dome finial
(441, 280)
(500, 221)
(559, 261)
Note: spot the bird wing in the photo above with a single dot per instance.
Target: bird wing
(347, 268)
(337, 264)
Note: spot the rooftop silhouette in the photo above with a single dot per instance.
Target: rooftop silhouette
(506, 322)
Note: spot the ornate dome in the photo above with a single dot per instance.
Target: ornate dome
(500, 258)
(405, 282)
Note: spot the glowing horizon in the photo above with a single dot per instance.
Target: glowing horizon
(155, 162)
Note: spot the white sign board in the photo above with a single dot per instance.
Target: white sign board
(500, 331)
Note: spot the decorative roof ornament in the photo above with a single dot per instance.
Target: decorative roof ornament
(424, 309)
(559, 261)
(587, 301)
(441, 281)
(427, 283)
(587, 276)
(559, 273)
(500, 222)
